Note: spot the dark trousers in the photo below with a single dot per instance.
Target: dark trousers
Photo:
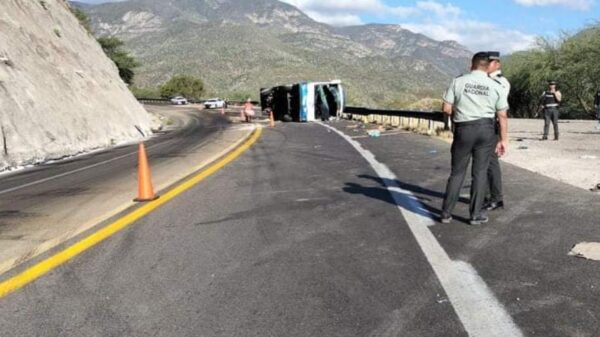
(550, 115)
(494, 174)
(472, 140)
(324, 112)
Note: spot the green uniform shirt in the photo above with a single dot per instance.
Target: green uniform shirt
(504, 83)
(475, 96)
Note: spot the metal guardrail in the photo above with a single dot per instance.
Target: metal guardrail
(436, 116)
(192, 101)
(429, 115)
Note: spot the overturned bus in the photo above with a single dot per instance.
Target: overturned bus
(304, 101)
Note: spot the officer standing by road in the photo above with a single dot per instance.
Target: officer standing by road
(495, 198)
(550, 101)
(474, 101)
(597, 106)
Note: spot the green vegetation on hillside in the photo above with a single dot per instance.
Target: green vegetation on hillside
(126, 63)
(572, 61)
(112, 47)
(187, 86)
(144, 92)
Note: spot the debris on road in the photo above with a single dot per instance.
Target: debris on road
(522, 147)
(586, 250)
(588, 157)
(374, 133)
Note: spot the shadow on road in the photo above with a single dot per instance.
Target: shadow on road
(417, 202)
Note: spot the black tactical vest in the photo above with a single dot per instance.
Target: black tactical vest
(549, 100)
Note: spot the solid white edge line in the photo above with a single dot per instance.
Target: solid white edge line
(481, 314)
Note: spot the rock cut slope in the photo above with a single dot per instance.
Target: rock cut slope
(59, 94)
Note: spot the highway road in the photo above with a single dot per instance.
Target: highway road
(320, 231)
(188, 128)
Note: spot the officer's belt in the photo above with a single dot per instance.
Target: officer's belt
(481, 121)
(553, 105)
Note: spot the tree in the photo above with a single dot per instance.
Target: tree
(184, 85)
(124, 62)
(145, 92)
(571, 60)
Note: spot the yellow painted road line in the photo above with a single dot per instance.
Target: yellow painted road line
(36, 271)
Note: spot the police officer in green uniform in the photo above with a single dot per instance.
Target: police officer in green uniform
(550, 102)
(474, 101)
(495, 199)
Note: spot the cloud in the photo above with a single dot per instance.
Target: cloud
(478, 36)
(448, 22)
(581, 5)
(440, 21)
(438, 8)
(330, 11)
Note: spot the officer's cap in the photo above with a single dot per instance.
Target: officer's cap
(493, 55)
(551, 82)
(481, 56)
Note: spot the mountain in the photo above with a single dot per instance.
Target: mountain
(238, 46)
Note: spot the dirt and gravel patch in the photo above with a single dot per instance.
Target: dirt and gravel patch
(574, 159)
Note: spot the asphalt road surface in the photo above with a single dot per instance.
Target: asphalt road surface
(301, 236)
(187, 132)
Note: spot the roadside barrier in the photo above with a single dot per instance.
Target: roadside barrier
(145, 187)
(426, 121)
(191, 101)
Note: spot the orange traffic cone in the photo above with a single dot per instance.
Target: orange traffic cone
(145, 189)
(271, 119)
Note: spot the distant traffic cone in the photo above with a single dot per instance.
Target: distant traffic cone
(271, 119)
(145, 189)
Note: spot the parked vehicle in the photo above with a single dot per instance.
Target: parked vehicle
(215, 103)
(179, 100)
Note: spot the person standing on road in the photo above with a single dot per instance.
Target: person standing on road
(474, 101)
(550, 101)
(248, 110)
(495, 199)
(597, 106)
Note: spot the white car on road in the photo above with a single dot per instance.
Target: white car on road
(179, 100)
(214, 103)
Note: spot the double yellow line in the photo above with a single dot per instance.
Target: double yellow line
(39, 269)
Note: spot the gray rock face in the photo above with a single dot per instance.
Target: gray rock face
(59, 94)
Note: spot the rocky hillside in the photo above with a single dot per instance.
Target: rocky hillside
(240, 45)
(59, 94)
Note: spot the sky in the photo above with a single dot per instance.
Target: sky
(504, 25)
